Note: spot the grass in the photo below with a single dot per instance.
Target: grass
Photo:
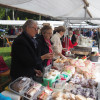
(5, 52)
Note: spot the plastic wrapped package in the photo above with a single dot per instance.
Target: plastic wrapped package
(26, 87)
(50, 77)
(32, 90)
(59, 84)
(69, 69)
(59, 65)
(21, 84)
(44, 95)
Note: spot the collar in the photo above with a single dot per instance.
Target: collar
(29, 35)
(58, 34)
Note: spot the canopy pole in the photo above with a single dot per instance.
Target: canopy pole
(13, 14)
(66, 24)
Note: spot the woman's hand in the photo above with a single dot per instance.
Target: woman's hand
(47, 56)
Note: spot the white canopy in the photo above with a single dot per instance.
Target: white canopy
(61, 9)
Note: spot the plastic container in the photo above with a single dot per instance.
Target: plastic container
(49, 81)
(34, 97)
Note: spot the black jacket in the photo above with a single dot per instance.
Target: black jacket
(43, 47)
(25, 57)
(73, 40)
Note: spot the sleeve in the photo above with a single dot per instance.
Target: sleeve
(73, 40)
(55, 41)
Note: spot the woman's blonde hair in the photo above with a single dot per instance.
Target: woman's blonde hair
(60, 28)
(45, 28)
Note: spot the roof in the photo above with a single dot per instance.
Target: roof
(60, 9)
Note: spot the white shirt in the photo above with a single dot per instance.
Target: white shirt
(57, 46)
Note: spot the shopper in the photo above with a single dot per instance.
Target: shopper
(26, 59)
(45, 44)
(57, 46)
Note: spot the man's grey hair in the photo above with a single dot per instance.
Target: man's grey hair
(29, 23)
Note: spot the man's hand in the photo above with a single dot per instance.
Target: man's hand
(38, 73)
(47, 56)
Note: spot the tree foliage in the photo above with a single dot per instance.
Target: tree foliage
(17, 18)
(2, 12)
(8, 18)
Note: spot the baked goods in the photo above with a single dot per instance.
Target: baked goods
(21, 84)
(32, 90)
(52, 74)
(59, 83)
(79, 97)
(68, 87)
(44, 94)
(59, 96)
(69, 69)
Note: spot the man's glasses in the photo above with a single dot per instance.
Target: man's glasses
(36, 29)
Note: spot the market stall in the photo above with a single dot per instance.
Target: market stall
(75, 79)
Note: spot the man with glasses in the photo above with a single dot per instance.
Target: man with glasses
(26, 59)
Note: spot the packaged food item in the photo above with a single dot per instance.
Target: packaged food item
(33, 90)
(45, 94)
(59, 96)
(69, 69)
(21, 84)
(89, 99)
(79, 97)
(42, 96)
(50, 77)
(72, 96)
(58, 84)
(68, 87)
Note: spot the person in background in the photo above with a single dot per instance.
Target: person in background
(11, 30)
(45, 44)
(57, 46)
(26, 59)
(66, 43)
(74, 38)
(54, 31)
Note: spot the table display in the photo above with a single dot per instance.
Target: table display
(74, 80)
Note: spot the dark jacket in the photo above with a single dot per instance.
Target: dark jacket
(43, 47)
(25, 57)
(73, 40)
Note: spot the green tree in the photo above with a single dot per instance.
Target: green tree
(2, 12)
(8, 18)
(26, 18)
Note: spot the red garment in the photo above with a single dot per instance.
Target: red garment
(50, 50)
(67, 45)
(3, 66)
(11, 31)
